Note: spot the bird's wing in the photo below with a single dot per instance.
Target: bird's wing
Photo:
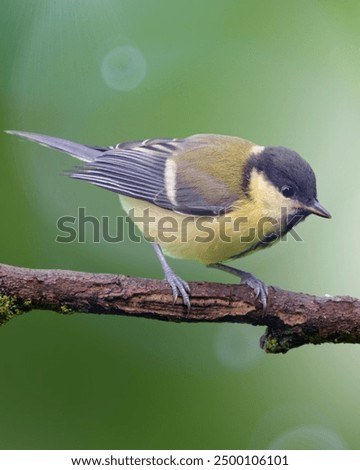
(200, 175)
(176, 174)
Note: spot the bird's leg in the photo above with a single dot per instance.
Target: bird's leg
(178, 286)
(259, 287)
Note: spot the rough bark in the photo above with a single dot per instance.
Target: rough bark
(292, 319)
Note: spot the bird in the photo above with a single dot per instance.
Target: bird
(208, 197)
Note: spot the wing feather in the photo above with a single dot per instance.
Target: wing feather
(138, 169)
(137, 172)
(196, 175)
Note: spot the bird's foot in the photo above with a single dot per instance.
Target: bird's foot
(261, 290)
(178, 286)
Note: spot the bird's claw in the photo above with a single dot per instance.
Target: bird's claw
(179, 286)
(260, 289)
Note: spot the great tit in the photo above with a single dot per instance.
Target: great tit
(208, 197)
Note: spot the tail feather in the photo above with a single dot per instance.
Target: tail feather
(80, 151)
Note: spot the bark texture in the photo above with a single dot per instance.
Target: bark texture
(292, 319)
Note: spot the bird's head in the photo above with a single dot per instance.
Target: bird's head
(283, 184)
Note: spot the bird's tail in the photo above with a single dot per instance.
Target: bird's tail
(80, 151)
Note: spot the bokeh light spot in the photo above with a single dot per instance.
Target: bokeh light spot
(123, 68)
(310, 437)
(237, 347)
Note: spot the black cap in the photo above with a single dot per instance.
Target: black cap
(284, 167)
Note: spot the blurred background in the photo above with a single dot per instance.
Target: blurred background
(276, 72)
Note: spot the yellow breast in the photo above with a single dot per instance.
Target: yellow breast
(203, 238)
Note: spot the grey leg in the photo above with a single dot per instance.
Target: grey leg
(259, 287)
(178, 286)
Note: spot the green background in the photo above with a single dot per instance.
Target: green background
(277, 72)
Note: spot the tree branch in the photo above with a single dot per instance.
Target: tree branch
(292, 319)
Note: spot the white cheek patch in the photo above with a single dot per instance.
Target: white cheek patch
(261, 187)
(170, 180)
(268, 198)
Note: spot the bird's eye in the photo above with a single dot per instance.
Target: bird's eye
(287, 191)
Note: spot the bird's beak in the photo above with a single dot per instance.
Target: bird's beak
(317, 209)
